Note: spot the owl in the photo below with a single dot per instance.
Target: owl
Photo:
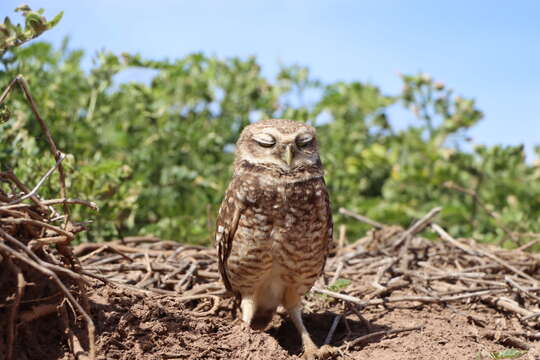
(274, 226)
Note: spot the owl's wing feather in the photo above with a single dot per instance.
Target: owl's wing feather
(226, 225)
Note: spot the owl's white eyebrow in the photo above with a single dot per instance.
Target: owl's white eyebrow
(304, 138)
(264, 138)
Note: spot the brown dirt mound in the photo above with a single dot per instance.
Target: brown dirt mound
(389, 296)
(134, 325)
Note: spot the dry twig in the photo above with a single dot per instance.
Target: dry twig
(27, 232)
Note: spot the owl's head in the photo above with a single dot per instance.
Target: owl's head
(283, 145)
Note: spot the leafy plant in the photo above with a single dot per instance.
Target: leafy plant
(339, 285)
(157, 155)
(12, 35)
(507, 354)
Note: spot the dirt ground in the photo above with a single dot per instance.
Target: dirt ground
(152, 299)
(134, 325)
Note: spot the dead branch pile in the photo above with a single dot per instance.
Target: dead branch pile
(40, 274)
(390, 267)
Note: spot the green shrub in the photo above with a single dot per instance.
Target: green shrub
(157, 155)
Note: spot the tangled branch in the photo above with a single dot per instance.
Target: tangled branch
(35, 246)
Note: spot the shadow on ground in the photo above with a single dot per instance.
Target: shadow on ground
(318, 325)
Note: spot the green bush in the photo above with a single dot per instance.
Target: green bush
(157, 155)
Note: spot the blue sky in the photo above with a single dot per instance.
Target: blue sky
(489, 50)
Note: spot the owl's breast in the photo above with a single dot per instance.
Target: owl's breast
(300, 235)
(284, 231)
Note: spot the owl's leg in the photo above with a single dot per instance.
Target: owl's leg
(309, 346)
(254, 315)
(247, 305)
(292, 302)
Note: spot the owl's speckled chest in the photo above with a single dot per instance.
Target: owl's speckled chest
(284, 229)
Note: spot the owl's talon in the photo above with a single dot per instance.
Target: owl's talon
(323, 353)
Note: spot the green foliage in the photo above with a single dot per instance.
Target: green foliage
(157, 155)
(503, 354)
(13, 35)
(339, 285)
(507, 354)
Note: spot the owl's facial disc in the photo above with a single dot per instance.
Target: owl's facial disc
(287, 151)
(287, 146)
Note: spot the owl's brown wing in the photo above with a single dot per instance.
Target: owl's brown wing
(226, 225)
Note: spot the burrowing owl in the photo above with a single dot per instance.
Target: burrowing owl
(275, 226)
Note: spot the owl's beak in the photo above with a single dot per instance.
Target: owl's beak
(288, 155)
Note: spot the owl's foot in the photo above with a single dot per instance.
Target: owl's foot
(323, 353)
(242, 326)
